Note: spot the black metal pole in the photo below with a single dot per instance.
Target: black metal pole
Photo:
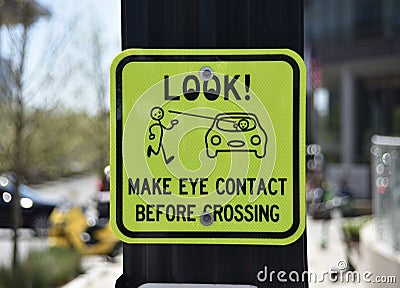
(212, 24)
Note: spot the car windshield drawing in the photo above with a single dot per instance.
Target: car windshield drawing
(236, 132)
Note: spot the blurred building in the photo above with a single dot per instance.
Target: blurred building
(353, 49)
(353, 52)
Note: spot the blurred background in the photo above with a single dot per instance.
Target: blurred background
(54, 144)
(352, 54)
(54, 63)
(54, 123)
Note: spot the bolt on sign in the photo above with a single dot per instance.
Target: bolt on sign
(207, 146)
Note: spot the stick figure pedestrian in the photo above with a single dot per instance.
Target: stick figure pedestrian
(157, 114)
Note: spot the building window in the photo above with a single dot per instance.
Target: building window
(368, 18)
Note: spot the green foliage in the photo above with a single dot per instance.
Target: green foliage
(352, 226)
(56, 143)
(50, 268)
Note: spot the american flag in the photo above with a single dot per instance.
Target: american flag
(316, 74)
(314, 71)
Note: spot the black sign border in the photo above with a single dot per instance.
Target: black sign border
(296, 145)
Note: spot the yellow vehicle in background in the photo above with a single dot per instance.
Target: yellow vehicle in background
(71, 228)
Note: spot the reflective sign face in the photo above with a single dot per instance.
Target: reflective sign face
(207, 146)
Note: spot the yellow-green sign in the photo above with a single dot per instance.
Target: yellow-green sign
(207, 146)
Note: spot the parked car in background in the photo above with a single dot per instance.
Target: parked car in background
(35, 209)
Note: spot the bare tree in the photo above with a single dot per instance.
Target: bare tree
(19, 88)
(24, 83)
(14, 97)
(100, 81)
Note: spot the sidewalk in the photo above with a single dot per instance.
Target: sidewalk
(103, 274)
(320, 260)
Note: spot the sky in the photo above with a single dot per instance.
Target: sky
(100, 15)
(68, 34)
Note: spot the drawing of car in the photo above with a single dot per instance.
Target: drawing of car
(236, 132)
